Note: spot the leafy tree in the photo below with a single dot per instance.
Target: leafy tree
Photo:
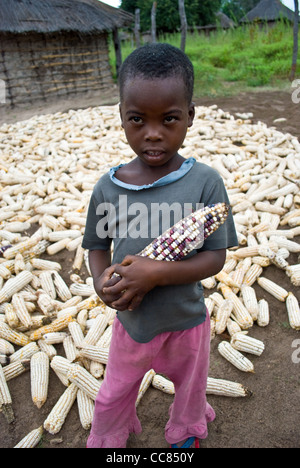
(198, 12)
(236, 9)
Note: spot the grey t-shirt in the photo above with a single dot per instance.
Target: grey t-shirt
(131, 219)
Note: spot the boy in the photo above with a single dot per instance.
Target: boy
(161, 320)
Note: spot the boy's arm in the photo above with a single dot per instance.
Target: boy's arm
(101, 270)
(140, 274)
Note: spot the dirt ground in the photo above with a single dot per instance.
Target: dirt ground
(270, 417)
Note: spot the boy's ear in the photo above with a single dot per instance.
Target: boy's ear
(120, 112)
(191, 114)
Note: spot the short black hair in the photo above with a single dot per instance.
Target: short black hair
(158, 60)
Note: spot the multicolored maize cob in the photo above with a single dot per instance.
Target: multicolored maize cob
(187, 234)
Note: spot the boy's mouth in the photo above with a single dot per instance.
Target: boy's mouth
(154, 154)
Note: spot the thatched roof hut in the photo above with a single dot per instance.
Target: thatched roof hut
(269, 11)
(224, 21)
(55, 48)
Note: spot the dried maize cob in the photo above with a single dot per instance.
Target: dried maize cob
(290, 245)
(240, 313)
(81, 318)
(292, 306)
(209, 283)
(89, 303)
(32, 439)
(61, 367)
(85, 409)
(60, 411)
(105, 339)
(110, 314)
(247, 344)
(250, 301)
(10, 315)
(5, 398)
(96, 330)
(210, 305)
(292, 269)
(76, 333)
(12, 336)
(238, 277)
(14, 369)
(263, 317)
(233, 327)
(5, 273)
(145, 384)
(227, 279)
(55, 236)
(95, 353)
(84, 380)
(187, 234)
(272, 288)
(49, 349)
(67, 311)
(6, 347)
(56, 326)
(19, 263)
(84, 290)
(39, 373)
(229, 265)
(21, 247)
(79, 257)
(295, 278)
(20, 308)
(54, 337)
(61, 288)
(45, 303)
(222, 316)
(25, 352)
(47, 284)
(14, 285)
(235, 357)
(42, 264)
(226, 388)
(164, 384)
(96, 369)
(70, 349)
(252, 274)
(217, 298)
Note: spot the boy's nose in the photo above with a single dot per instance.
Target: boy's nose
(153, 133)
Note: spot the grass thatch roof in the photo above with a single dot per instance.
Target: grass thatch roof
(49, 16)
(269, 10)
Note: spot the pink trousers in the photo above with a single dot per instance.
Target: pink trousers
(182, 356)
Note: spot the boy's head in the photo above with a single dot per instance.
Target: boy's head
(158, 61)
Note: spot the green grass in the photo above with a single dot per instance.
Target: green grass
(237, 60)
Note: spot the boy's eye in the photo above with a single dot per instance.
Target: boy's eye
(170, 119)
(136, 120)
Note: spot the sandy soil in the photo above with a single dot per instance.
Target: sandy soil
(270, 417)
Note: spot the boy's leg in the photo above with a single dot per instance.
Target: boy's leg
(186, 363)
(115, 412)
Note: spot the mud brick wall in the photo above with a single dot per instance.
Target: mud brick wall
(38, 67)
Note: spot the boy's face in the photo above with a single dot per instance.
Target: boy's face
(155, 116)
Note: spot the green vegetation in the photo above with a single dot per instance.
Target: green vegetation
(231, 61)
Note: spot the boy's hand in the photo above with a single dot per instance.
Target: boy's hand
(106, 281)
(138, 276)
